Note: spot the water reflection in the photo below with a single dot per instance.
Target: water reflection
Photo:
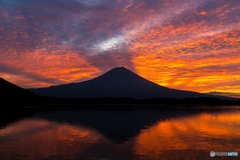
(203, 133)
(43, 139)
(190, 134)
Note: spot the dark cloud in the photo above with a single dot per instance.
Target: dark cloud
(235, 95)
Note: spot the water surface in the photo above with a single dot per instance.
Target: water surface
(119, 134)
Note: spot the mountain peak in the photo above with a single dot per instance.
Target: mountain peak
(119, 69)
(119, 72)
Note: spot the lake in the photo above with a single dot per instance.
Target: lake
(116, 133)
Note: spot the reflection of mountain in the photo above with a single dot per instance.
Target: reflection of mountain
(8, 115)
(10, 93)
(118, 125)
(192, 136)
(118, 82)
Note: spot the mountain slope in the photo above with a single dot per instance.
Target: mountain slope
(10, 93)
(118, 82)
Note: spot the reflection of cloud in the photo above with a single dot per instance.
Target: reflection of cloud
(202, 132)
(41, 139)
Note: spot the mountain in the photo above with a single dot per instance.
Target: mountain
(10, 93)
(118, 82)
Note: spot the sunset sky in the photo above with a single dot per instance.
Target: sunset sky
(183, 44)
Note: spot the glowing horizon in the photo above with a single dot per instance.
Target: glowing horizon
(181, 44)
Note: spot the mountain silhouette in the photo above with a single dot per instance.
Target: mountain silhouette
(10, 93)
(118, 82)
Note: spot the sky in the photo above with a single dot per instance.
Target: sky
(183, 44)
